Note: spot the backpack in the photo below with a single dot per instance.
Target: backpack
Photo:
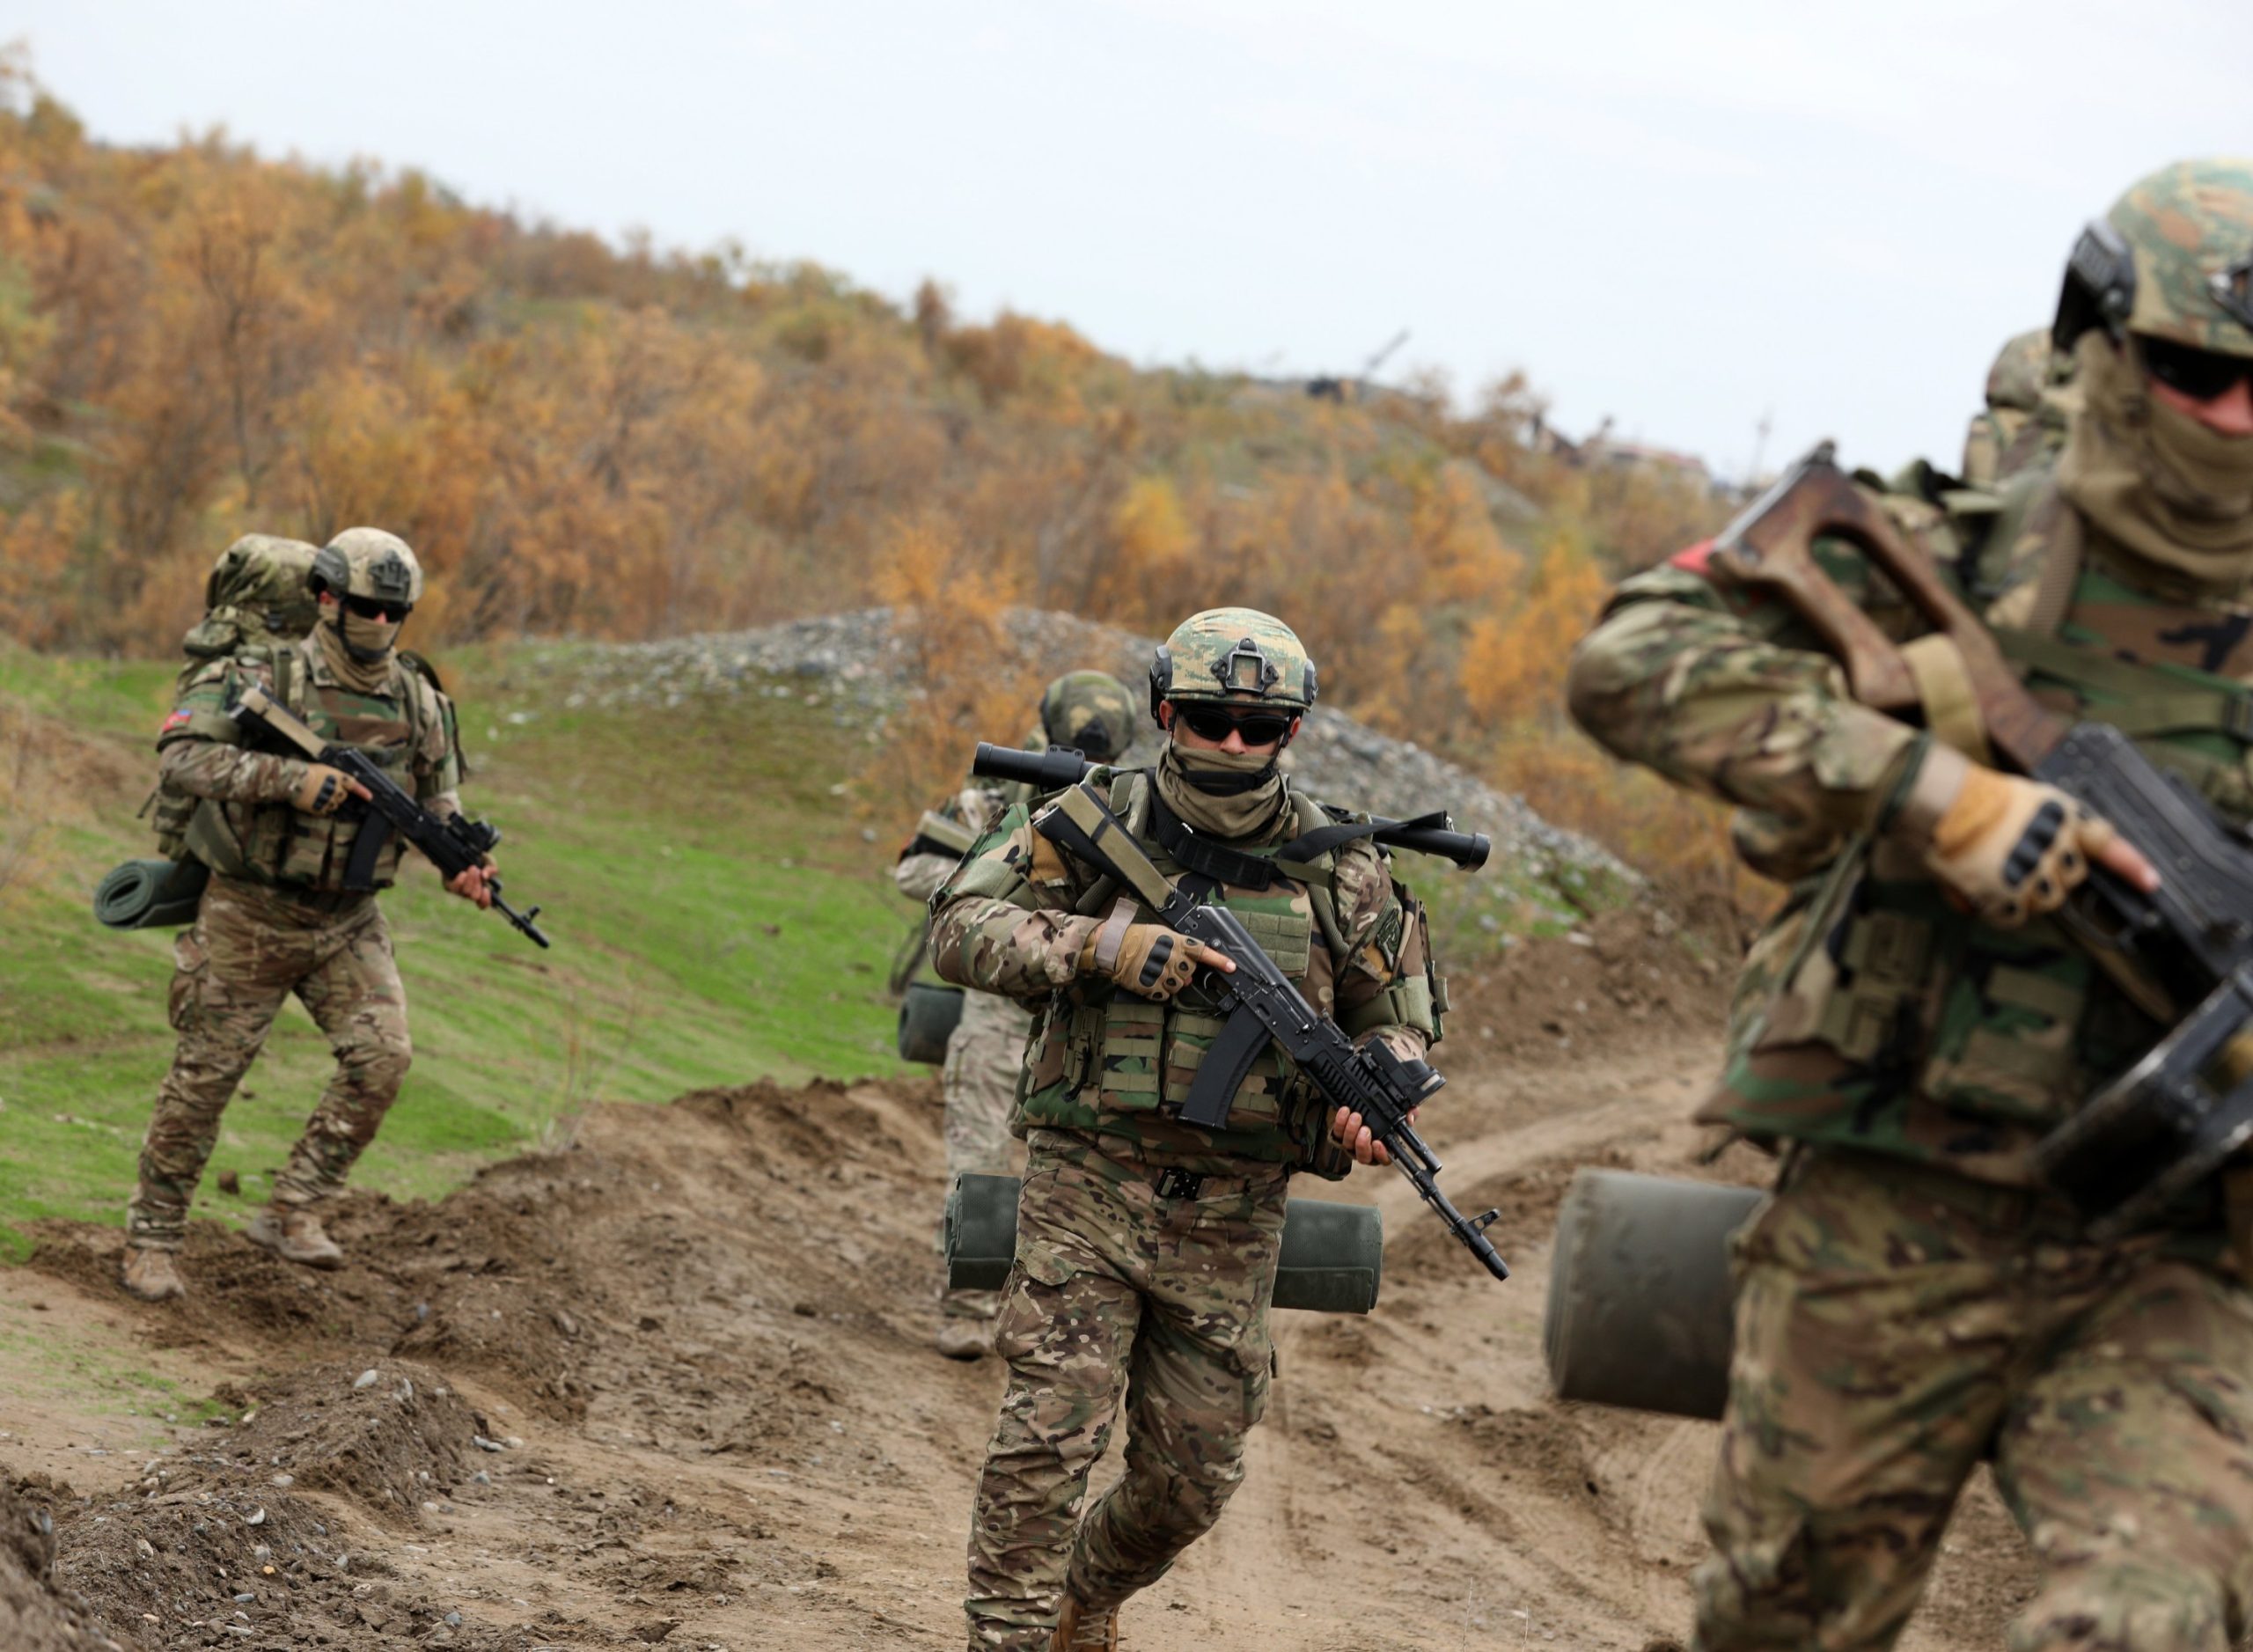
(256, 596)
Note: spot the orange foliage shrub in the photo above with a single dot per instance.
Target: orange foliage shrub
(612, 441)
(949, 608)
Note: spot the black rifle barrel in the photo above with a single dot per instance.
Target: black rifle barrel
(1059, 766)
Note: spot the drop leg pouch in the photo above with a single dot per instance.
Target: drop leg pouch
(1333, 1258)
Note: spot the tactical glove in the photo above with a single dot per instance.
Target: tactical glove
(1147, 958)
(2010, 849)
(323, 790)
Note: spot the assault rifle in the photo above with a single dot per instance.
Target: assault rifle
(1260, 1003)
(453, 843)
(2184, 953)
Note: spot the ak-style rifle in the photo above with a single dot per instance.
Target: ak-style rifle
(1258, 1003)
(453, 843)
(2182, 952)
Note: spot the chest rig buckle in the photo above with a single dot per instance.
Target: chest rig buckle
(1180, 1184)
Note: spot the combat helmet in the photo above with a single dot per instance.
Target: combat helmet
(1090, 712)
(2173, 260)
(1234, 656)
(368, 562)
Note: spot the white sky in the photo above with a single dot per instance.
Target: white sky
(1680, 215)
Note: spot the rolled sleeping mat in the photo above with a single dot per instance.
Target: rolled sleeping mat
(1332, 1260)
(150, 894)
(929, 1015)
(1641, 1309)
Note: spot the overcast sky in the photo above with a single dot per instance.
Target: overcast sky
(1683, 215)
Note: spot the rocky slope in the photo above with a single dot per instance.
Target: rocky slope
(858, 664)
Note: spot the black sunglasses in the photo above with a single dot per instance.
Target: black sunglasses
(2201, 375)
(369, 608)
(1216, 723)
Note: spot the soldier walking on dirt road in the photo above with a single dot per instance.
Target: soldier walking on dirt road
(1147, 1248)
(276, 917)
(1092, 713)
(1913, 1298)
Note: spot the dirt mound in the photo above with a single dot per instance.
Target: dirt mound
(706, 1331)
(37, 1614)
(1633, 972)
(392, 1437)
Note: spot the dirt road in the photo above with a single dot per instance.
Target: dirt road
(674, 1384)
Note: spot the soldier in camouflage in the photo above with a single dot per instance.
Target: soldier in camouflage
(2023, 426)
(1093, 714)
(275, 918)
(1147, 1248)
(1912, 1299)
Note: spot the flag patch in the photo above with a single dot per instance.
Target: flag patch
(177, 720)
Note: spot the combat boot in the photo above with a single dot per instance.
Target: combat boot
(295, 1235)
(1080, 1630)
(151, 1274)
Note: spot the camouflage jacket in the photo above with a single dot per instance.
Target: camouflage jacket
(942, 836)
(1016, 914)
(1872, 1013)
(246, 826)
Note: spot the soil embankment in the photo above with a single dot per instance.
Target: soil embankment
(673, 1384)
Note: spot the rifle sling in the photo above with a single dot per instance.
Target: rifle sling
(1215, 863)
(1220, 864)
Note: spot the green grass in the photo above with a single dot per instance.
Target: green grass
(718, 918)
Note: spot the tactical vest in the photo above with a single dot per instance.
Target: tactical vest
(1110, 1056)
(281, 845)
(1954, 1040)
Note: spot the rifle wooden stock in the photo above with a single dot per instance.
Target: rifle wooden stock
(1770, 549)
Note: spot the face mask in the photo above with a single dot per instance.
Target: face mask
(2152, 479)
(2198, 472)
(1222, 794)
(369, 639)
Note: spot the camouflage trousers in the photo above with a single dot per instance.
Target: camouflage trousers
(1117, 1288)
(1894, 1325)
(979, 1080)
(250, 948)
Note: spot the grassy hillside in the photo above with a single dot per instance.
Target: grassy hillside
(632, 442)
(717, 916)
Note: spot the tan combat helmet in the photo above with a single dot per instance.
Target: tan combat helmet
(368, 562)
(1089, 711)
(1237, 657)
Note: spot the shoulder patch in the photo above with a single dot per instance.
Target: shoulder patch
(177, 720)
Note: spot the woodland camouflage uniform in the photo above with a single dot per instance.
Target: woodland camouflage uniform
(1092, 713)
(275, 918)
(1912, 1299)
(1147, 1248)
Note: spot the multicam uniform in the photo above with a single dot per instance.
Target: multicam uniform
(276, 918)
(1092, 712)
(1912, 1299)
(1147, 1248)
(986, 1051)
